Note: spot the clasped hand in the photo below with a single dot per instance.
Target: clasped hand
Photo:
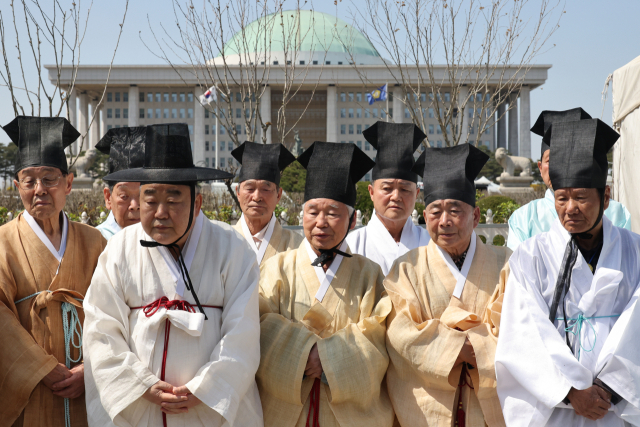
(314, 366)
(592, 403)
(64, 382)
(170, 399)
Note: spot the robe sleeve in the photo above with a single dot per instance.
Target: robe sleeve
(535, 369)
(518, 231)
(284, 345)
(120, 378)
(354, 359)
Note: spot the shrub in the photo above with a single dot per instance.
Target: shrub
(364, 203)
(293, 178)
(501, 215)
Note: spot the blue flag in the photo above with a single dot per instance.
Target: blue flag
(379, 94)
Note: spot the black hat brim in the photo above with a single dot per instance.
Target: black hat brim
(161, 175)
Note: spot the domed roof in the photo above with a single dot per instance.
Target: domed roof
(320, 36)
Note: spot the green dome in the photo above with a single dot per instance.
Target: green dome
(319, 32)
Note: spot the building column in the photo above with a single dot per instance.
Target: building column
(95, 125)
(525, 122)
(134, 102)
(398, 106)
(502, 126)
(513, 124)
(73, 109)
(83, 125)
(332, 113)
(265, 111)
(464, 120)
(493, 126)
(197, 145)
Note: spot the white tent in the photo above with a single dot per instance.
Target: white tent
(626, 154)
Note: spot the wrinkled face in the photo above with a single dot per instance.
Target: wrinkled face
(124, 202)
(164, 211)
(325, 222)
(578, 208)
(543, 165)
(450, 224)
(258, 198)
(43, 201)
(393, 199)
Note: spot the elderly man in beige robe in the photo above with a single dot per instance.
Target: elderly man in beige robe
(323, 311)
(443, 330)
(259, 192)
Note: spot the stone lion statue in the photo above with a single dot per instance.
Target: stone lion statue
(84, 162)
(511, 163)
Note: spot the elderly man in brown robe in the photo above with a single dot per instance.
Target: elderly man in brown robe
(443, 330)
(259, 192)
(46, 264)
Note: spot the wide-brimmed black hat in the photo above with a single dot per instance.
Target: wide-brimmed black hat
(549, 117)
(125, 147)
(41, 141)
(449, 172)
(262, 161)
(168, 159)
(333, 170)
(396, 143)
(578, 157)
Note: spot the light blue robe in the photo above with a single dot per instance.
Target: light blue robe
(109, 227)
(538, 215)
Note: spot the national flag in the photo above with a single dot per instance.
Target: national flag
(379, 94)
(209, 96)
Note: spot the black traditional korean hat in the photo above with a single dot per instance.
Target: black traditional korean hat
(449, 172)
(168, 160)
(41, 141)
(262, 161)
(125, 147)
(548, 117)
(332, 172)
(396, 143)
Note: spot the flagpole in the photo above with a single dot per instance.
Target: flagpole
(217, 132)
(387, 86)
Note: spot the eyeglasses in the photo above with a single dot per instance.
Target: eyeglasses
(30, 183)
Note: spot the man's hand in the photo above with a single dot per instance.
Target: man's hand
(467, 354)
(57, 374)
(162, 392)
(73, 386)
(592, 403)
(180, 407)
(314, 366)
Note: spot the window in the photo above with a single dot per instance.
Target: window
(190, 113)
(367, 177)
(359, 112)
(222, 130)
(117, 113)
(222, 162)
(246, 113)
(343, 97)
(470, 113)
(158, 96)
(478, 97)
(157, 113)
(213, 129)
(390, 113)
(149, 97)
(367, 113)
(191, 133)
(439, 130)
(431, 115)
(350, 129)
(358, 97)
(125, 113)
(125, 96)
(141, 114)
(166, 97)
(182, 113)
(109, 113)
(174, 113)
(141, 97)
(238, 130)
(358, 129)
(351, 113)
(423, 97)
(109, 127)
(149, 113)
(343, 113)
(350, 142)
(471, 130)
(174, 97)
(206, 113)
(406, 113)
(222, 145)
(206, 162)
(350, 96)
(375, 113)
(238, 113)
(206, 146)
(343, 142)
(165, 114)
(109, 97)
(190, 97)
(301, 62)
(238, 97)
(230, 145)
(487, 131)
(487, 98)
(448, 129)
(315, 62)
(359, 144)
(367, 146)
(390, 96)
(326, 62)
(431, 129)
(383, 114)
(181, 96)
(117, 126)
(206, 129)
(117, 96)
(439, 144)
(343, 129)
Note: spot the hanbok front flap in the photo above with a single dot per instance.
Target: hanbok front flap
(459, 318)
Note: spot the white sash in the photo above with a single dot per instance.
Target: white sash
(460, 275)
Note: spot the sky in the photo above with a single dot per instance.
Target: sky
(594, 39)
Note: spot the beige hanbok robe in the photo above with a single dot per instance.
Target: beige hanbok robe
(281, 240)
(31, 331)
(423, 342)
(348, 327)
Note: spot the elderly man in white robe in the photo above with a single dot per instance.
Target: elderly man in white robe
(390, 233)
(125, 147)
(568, 352)
(172, 327)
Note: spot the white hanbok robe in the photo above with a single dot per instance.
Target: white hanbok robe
(216, 358)
(535, 368)
(375, 242)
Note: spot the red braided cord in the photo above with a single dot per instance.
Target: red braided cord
(314, 404)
